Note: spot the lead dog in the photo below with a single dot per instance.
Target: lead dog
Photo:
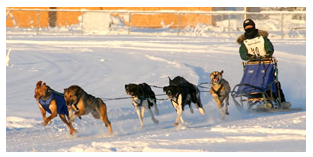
(143, 98)
(52, 102)
(220, 90)
(83, 103)
(182, 93)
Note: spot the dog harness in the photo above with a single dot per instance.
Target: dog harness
(138, 104)
(175, 98)
(58, 97)
(144, 88)
(218, 91)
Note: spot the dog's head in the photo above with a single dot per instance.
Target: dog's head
(216, 77)
(178, 80)
(133, 89)
(40, 90)
(171, 91)
(72, 95)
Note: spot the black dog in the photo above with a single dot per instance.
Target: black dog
(143, 97)
(181, 92)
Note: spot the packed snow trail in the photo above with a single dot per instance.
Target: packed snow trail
(102, 65)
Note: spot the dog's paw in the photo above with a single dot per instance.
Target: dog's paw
(175, 124)
(223, 116)
(222, 104)
(43, 123)
(76, 113)
(201, 110)
(71, 119)
(73, 131)
(191, 110)
(142, 124)
(155, 121)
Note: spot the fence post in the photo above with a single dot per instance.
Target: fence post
(52, 16)
(129, 21)
(282, 25)
(82, 23)
(229, 25)
(38, 15)
(178, 23)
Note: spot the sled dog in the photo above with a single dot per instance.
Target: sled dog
(143, 98)
(81, 103)
(220, 90)
(52, 102)
(182, 93)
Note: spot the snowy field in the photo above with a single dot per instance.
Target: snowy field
(102, 65)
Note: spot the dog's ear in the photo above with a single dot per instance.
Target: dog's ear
(65, 89)
(222, 71)
(44, 87)
(169, 78)
(38, 83)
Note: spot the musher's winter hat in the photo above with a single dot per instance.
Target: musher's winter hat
(248, 22)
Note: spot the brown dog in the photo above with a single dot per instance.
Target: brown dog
(82, 103)
(220, 90)
(52, 102)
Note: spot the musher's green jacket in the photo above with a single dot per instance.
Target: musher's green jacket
(243, 51)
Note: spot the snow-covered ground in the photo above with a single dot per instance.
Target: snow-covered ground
(102, 65)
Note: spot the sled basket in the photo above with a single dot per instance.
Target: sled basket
(258, 84)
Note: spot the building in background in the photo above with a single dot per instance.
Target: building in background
(65, 18)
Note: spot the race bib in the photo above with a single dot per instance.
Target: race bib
(255, 46)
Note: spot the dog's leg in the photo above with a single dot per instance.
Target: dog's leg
(43, 113)
(225, 98)
(143, 111)
(75, 113)
(182, 120)
(104, 116)
(156, 110)
(69, 124)
(221, 109)
(80, 112)
(53, 109)
(139, 116)
(179, 114)
(227, 103)
(71, 114)
(190, 107)
(218, 101)
(179, 110)
(145, 104)
(155, 121)
(201, 110)
(138, 109)
(219, 104)
(223, 113)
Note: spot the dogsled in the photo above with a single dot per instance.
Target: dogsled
(259, 87)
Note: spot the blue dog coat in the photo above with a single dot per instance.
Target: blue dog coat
(61, 107)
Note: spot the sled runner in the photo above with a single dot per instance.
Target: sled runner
(259, 86)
